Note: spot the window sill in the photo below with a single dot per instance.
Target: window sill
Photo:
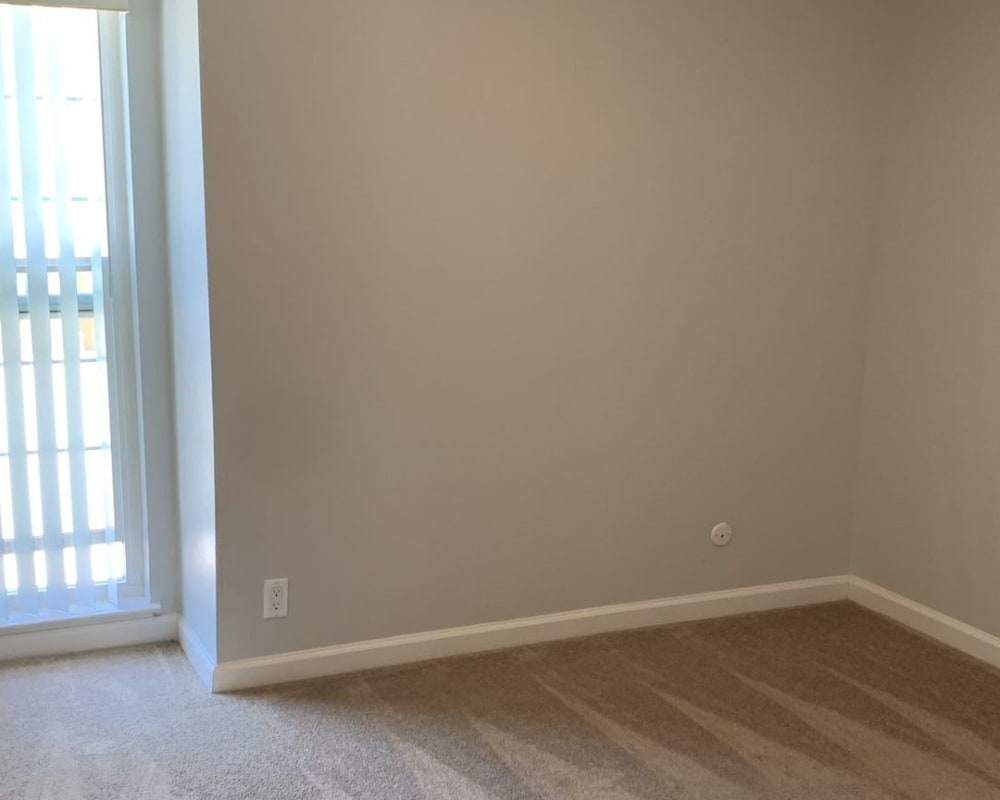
(55, 621)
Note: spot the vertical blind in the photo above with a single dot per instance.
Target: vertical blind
(60, 551)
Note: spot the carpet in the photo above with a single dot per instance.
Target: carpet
(829, 701)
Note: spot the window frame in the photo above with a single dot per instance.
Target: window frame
(120, 337)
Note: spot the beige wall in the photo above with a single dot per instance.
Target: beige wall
(929, 492)
(511, 301)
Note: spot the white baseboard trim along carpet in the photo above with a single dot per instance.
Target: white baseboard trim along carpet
(133, 628)
(948, 630)
(285, 667)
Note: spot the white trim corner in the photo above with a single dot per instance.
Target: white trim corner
(197, 654)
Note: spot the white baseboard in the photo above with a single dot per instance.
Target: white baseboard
(93, 633)
(303, 664)
(197, 654)
(135, 628)
(971, 641)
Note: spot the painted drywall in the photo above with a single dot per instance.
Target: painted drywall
(191, 349)
(928, 523)
(512, 301)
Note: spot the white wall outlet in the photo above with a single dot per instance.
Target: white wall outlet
(276, 598)
(722, 534)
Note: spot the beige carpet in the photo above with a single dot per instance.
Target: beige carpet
(824, 702)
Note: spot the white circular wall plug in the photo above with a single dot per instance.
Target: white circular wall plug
(722, 534)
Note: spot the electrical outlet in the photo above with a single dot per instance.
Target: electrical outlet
(276, 598)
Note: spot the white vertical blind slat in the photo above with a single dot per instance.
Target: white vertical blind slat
(110, 535)
(112, 57)
(9, 332)
(69, 306)
(39, 307)
(24, 546)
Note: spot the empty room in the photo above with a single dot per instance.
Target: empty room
(499, 399)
